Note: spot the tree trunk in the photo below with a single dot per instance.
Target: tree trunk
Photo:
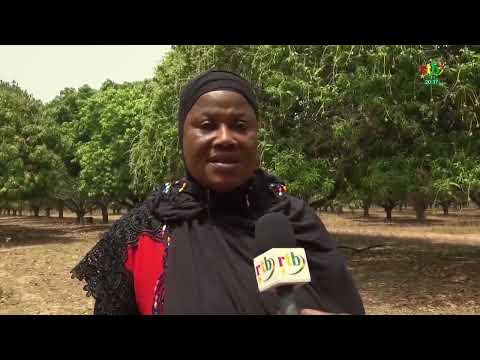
(80, 217)
(104, 214)
(14, 212)
(388, 211)
(339, 209)
(47, 212)
(20, 212)
(420, 212)
(36, 210)
(445, 208)
(475, 196)
(366, 210)
(60, 208)
(8, 212)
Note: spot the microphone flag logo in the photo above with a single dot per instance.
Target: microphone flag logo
(280, 266)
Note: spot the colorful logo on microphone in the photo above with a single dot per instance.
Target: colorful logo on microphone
(281, 266)
(289, 263)
(266, 269)
(430, 73)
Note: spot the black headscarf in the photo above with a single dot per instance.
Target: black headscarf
(210, 261)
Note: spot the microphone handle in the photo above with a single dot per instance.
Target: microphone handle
(288, 305)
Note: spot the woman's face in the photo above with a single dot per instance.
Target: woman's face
(220, 140)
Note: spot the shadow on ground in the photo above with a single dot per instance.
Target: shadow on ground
(413, 274)
(406, 219)
(33, 231)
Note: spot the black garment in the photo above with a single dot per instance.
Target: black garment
(210, 268)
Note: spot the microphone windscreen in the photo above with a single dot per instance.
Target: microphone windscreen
(273, 230)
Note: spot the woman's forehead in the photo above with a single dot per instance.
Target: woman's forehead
(222, 100)
(213, 110)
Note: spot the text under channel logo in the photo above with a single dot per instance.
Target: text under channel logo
(430, 73)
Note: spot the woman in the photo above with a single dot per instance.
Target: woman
(188, 248)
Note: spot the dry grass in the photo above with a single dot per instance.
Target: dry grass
(421, 269)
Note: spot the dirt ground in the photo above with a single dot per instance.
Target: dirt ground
(410, 268)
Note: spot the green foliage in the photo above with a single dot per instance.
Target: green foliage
(113, 117)
(29, 164)
(351, 123)
(387, 180)
(305, 177)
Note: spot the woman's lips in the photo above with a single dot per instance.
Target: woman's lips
(225, 166)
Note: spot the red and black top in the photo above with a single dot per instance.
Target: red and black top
(186, 250)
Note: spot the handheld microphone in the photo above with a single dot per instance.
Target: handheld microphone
(280, 265)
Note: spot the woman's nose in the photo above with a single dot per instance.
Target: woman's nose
(224, 136)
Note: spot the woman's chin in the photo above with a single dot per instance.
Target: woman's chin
(223, 184)
(223, 187)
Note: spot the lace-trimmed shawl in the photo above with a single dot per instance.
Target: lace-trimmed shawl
(103, 268)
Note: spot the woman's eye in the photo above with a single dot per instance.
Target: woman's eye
(207, 125)
(242, 126)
